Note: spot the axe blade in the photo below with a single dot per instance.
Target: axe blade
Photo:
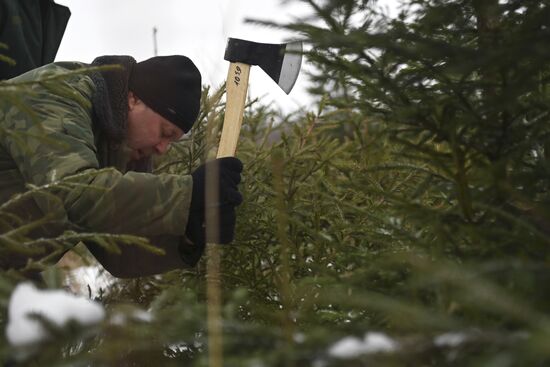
(281, 62)
(292, 62)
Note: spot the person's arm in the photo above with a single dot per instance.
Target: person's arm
(135, 261)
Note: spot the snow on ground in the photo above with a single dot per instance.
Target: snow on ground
(55, 305)
(89, 281)
(351, 347)
(121, 318)
(450, 339)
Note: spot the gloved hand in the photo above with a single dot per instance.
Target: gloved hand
(226, 176)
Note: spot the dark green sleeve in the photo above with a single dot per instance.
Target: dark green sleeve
(32, 31)
(134, 261)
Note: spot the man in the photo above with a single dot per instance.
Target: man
(87, 140)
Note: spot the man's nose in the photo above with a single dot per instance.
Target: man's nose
(162, 147)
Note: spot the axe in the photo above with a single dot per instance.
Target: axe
(280, 61)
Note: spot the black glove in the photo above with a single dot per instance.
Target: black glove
(226, 175)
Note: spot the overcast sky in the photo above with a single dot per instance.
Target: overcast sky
(197, 29)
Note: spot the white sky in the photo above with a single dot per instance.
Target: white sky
(197, 29)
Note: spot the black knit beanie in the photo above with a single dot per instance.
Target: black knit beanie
(170, 86)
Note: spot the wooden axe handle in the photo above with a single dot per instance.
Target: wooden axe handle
(236, 86)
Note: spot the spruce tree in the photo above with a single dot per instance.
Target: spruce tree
(412, 201)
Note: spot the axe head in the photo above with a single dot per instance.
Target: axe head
(280, 61)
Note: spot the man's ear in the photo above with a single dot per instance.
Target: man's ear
(133, 100)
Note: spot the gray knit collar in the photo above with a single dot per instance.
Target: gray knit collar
(110, 100)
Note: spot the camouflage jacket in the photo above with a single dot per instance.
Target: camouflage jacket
(47, 140)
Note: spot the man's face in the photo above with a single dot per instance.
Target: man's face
(148, 132)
